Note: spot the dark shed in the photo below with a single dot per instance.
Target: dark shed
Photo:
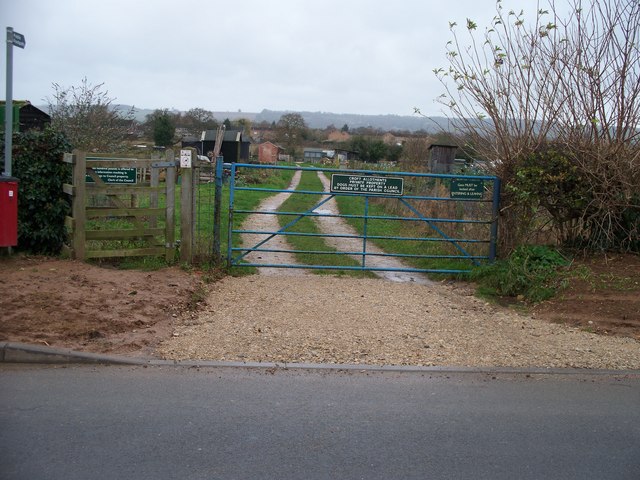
(441, 158)
(234, 147)
(25, 116)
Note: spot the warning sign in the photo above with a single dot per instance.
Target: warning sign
(369, 185)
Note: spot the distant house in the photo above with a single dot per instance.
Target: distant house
(234, 147)
(25, 116)
(269, 153)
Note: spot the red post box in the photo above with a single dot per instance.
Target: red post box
(8, 211)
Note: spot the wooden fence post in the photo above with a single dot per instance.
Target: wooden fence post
(78, 207)
(154, 181)
(187, 208)
(170, 196)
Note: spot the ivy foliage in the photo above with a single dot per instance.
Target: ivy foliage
(42, 206)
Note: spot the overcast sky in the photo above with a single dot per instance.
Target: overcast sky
(342, 56)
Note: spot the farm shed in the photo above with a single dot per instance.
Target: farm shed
(269, 152)
(343, 154)
(441, 158)
(25, 116)
(314, 155)
(234, 147)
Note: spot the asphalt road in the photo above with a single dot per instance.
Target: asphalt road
(82, 422)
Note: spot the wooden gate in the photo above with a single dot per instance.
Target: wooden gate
(120, 208)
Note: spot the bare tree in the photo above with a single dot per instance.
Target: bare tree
(196, 120)
(570, 82)
(291, 129)
(416, 151)
(86, 115)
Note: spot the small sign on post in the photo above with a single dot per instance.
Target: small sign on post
(13, 39)
(185, 158)
(466, 188)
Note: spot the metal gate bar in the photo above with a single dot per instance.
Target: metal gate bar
(444, 235)
(366, 217)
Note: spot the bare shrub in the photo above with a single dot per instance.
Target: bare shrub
(571, 83)
(85, 114)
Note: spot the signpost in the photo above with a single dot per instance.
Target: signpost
(370, 185)
(17, 39)
(467, 188)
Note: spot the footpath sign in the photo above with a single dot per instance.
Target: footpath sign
(369, 185)
(115, 175)
(16, 39)
(467, 188)
(185, 159)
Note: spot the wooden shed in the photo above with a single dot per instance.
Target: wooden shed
(25, 116)
(234, 147)
(441, 158)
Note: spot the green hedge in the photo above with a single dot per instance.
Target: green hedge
(42, 206)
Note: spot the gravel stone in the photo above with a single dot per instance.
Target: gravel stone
(330, 319)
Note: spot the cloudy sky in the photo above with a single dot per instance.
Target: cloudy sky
(342, 56)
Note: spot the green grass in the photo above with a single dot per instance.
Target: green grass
(300, 203)
(352, 205)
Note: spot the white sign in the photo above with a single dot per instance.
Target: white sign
(185, 158)
(18, 40)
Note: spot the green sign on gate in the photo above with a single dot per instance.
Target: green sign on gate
(369, 185)
(115, 175)
(467, 188)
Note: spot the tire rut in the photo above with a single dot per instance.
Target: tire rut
(269, 223)
(337, 225)
(327, 225)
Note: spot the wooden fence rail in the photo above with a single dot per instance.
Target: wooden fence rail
(114, 204)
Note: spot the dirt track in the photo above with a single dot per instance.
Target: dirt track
(269, 223)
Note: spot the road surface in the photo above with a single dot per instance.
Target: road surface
(82, 422)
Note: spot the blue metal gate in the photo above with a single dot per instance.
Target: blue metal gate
(422, 222)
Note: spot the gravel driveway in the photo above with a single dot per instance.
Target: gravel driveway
(324, 319)
(294, 316)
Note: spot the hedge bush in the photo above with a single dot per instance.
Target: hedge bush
(42, 206)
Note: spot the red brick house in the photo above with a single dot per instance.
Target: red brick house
(268, 153)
